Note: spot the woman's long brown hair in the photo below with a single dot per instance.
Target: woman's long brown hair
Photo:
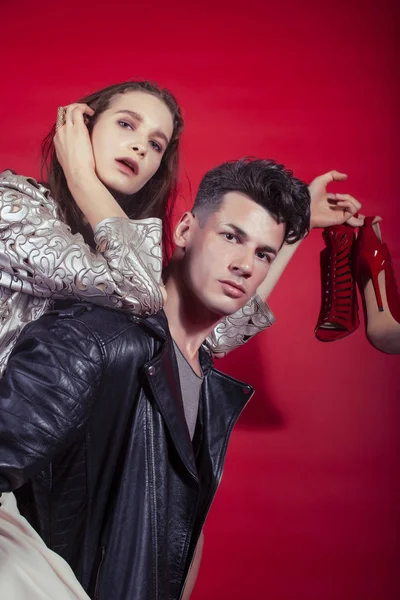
(157, 196)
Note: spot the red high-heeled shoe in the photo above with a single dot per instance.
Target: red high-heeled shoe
(377, 284)
(338, 316)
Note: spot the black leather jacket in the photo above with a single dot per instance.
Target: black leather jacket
(93, 438)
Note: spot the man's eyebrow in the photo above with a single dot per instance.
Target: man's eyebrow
(239, 231)
(158, 133)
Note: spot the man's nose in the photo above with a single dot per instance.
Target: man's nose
(243, 265)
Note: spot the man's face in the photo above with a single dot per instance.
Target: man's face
(227, 258)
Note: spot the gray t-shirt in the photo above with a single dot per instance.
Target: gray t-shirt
(190, 388)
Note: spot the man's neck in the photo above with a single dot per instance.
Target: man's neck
(189, 322)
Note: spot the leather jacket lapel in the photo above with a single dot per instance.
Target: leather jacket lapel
(163, 378)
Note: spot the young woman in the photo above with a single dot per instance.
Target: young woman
(124, 162)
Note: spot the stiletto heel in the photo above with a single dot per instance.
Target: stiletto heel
(368, 265)
(377, 284)
(377, 291)
(338, 316)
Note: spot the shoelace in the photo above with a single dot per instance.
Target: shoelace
(338, 295)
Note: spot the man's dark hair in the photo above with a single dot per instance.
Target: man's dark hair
(267, 183)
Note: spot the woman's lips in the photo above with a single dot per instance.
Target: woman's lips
(126, 167)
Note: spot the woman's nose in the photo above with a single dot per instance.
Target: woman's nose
(139, 148)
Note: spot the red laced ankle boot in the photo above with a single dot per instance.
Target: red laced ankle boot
(377, 284)
(338, 316)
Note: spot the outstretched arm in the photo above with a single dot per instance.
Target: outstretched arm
(327, 209)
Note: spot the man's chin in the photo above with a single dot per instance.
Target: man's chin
(228, 306)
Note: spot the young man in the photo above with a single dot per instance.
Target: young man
(113, 430)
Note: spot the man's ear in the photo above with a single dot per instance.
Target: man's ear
(184, 230)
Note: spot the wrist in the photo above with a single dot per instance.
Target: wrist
(93, 198)
(81, 178)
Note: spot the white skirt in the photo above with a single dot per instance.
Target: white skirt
(28, 568)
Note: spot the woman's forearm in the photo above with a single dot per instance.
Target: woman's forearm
(278, 266)
(94, 199)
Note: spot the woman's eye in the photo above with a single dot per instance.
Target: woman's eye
(156, 146)
(125, 125)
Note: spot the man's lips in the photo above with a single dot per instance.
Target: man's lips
(129, 164)
(232, 288)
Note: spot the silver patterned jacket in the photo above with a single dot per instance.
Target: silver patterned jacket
(41, 260)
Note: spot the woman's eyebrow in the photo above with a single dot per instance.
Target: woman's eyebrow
(131, 113)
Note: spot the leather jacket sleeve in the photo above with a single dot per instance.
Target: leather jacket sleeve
(46, 395)
(40, 256)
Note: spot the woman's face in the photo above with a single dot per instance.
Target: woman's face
(129, 140)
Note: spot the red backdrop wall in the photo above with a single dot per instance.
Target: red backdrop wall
(308, 506)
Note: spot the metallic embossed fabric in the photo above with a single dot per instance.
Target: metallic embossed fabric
(239, 327)
(41, 260)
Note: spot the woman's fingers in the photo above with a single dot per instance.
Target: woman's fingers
(348, 203)
(344, 202)
(75, 112)
(72, 142)
(330, 176)
(357, 221)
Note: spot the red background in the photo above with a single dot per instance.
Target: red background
(309, 505)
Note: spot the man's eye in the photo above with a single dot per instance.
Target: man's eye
(231, 237)
(264, 256)
(156, 146)
(125, 125)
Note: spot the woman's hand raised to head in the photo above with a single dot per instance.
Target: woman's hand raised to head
(72, 144)
(75, 155)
